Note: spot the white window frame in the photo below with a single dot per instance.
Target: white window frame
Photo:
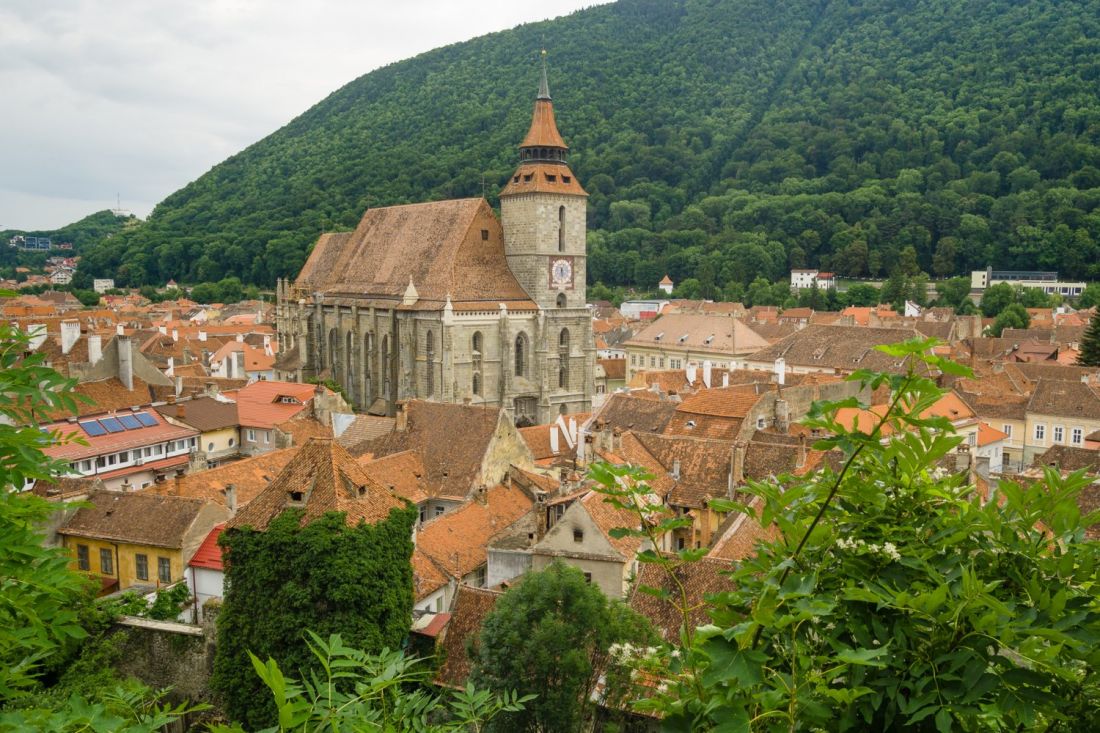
(1077, 435)
(1007, 429)
(1059, 434)
(1040, 432)
(251, 435)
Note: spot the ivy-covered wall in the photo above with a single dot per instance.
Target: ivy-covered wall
(325, 577)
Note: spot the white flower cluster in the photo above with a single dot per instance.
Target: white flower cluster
(886, 549)
(626, 651)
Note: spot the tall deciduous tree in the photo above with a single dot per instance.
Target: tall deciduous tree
(546, 636)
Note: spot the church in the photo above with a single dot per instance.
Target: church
(444, 301)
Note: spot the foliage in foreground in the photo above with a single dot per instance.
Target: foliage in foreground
(49, 623)
(898, 596)
(355, 581)
(355, 691)
(549, 636)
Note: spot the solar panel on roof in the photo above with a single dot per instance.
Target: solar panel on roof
(129, 422)
(112, 425)
(145, 419)
(93, 428)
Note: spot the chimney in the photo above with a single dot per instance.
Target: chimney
(962, 458)
(267, 345)
(126, 486)
(689, 372)
(706, 373)
(737, 464)
(240, 338)
(125, 361)
(781, 371)
(171, 399)
(401, 416)
(202, 335)
(171, 366)
(70, 334)
(782, 415)
(481, 495)
(676, 470)
(119, 330)
(231, 498)
(95, 348)
(163, 330)
(181, 411)
(726, 379)
(37, 334)
(554, 447)
(210, 388)
(175, 334)
(238, 361)
(179, 386)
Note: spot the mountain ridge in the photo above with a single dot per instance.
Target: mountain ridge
(721, 140)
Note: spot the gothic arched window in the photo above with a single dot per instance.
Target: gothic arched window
(561, 300)
(563, 340)
(368, 373)
(476, 384)
(429, 352)
(386, 367)
(521, 355)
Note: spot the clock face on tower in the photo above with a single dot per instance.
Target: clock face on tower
(561, 272)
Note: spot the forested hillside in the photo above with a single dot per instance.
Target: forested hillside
(719, 139)
(89, 230)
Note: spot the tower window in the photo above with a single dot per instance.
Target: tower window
(561, 228)
(551, 177)
(484, 235)
(515, 179)
(566, 179)
(430, 353)
(527, 177)
(476, 386)
(561, 300)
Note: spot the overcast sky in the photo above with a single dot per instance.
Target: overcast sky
(139, 97)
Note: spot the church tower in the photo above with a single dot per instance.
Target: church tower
(542, 212)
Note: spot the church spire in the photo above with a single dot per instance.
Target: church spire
(543, 141)
(544, 85)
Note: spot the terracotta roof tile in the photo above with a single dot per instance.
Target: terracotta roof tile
(249, 476)
(403, 472)
(95, 445)
(699, 580)
(326, 479)
(364, 428)
(740, 538)
(1064, 399)
(452, 465)
(458, 540)
(636, 412)
(460, 639)
(261, 404)
(700, 333)
(142, 519)
(837, 347)
(438, 246)
(427, 576)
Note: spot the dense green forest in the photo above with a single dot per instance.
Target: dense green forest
(720, 140)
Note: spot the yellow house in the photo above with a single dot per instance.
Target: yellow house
(137, 539)
(1059, 413)
(216, 421)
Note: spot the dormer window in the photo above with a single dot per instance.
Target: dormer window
(296, 497)
(551, 177)
(683, 338)
(659, 336)
(515, 179)
(566, 179)
(708, 339)
(527, 177)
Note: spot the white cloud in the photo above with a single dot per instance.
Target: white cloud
(139, 97)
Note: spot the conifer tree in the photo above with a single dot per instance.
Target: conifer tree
(1090, 344)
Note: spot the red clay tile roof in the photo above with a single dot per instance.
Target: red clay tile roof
(259, 404)
(614, 369)
(437, 246)
(738, 541)
(403, 472)
(427, 577)
(451, 466)
(636, 412)
(699, 579)
(328, 480)
(209, 554)
(458, 540)
(704, 467)
(140, 519)
(249, 476)
(460, 639)
(543, 178)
